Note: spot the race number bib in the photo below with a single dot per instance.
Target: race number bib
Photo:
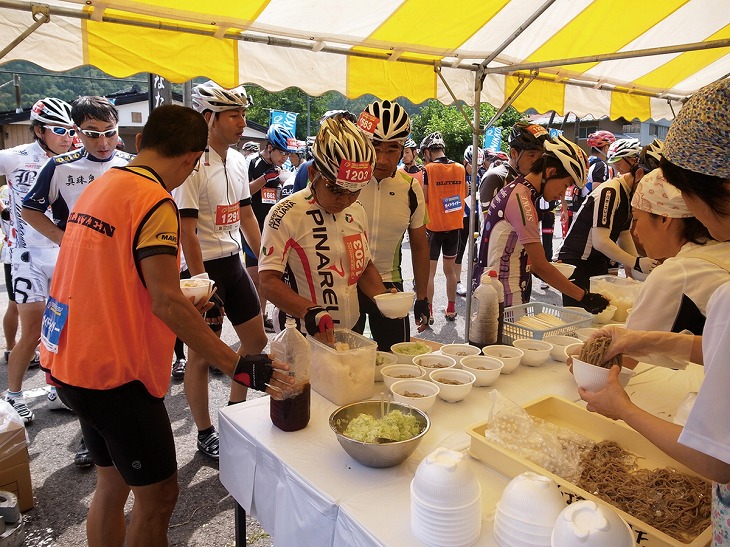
(355, 250)
(268, 195)
(367, 123)
(227, 218)
(452, 204)
(353, 175)
(54, 319)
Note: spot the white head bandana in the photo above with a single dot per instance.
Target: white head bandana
(655, 195)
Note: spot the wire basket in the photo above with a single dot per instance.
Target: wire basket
(513, 331)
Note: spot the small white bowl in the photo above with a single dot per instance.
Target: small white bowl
(486, 369)
(533, 498)
(406, 351)
(594, 378)
(536, 352)
(605, 316)
(559, 344)
(395, 305)
(565, 269)
(383, 359)
(394, 373)
(427, 390)
(585, 333)
(452, 393)
(585, 522)
(459, 351)
(510, 356)
(198, 289)
(431, 362)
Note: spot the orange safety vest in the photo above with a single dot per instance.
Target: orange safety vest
(110, 337)
(446, 190)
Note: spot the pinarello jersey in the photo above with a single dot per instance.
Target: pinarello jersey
(511, 223)
(393, 205)
(608, 206)
(61, 181)
(214, 195)
(323, 255)
(21, 165)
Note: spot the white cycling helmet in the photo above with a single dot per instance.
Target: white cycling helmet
(434, 140)
(469, 154)
(651, 154)
(340, 139)
(573, 158)
(394, 124)
(623, 149)
(52, 111)
(211, 96)
(410, 143)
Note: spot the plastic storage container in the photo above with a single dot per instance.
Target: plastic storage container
(344, 377)
(620, 291)
(572, 320)
(290, 346)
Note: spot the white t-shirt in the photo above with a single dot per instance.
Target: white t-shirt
(323, 254)
(215, 194)
(388, 205)
(674, 296)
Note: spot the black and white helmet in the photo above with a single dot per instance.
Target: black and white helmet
(573, 158)
(651, 154)
(469, 154)
(250, 146)
(434, 140)
(393, 123)
(52, 111)
(623, 149)
(338, 140)
(211, 96)
(410, 143)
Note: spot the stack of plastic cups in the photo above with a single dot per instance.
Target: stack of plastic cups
(446, 504)
(527, 510)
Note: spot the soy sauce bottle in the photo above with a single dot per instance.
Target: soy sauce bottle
(290, 346)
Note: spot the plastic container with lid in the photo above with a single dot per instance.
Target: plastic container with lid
(291, 347)
(346, 373)
(620, 291)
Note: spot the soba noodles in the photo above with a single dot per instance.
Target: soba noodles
(675, 503)
(593, 352)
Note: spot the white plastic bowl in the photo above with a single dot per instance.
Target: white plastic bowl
(383, 359)
(446, 479)
(198, 289)
(533, 498)
(452, 393)
(559, 344)
(394, 373)
(585, 523)
(428, 390)
(594, 378)
(536, 352)
(432, 362)
(486, 369)
(459, 351)
(605, 316)
(565, 269)
(406, 351)
(585, 333)
(510, 356)
(395, 305)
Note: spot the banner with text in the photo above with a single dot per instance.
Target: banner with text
(493, 139)
(287, 119)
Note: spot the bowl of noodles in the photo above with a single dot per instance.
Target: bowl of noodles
(378, 434)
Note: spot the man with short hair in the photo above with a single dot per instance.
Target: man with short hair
(410, 166)
(120, 258)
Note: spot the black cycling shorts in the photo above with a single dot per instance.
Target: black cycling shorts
(125, 427)
(443, 242)
(464, 238)
(235, 288)
(9, 282)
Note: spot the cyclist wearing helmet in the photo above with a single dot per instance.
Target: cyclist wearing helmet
(215, 207)
(444, 183)
(599, 171)
(511, 229)
(317, 237)
(248, 148)
(410, 155)
(264, 171)
(466, 235)
(601, 229)
(28, 251)
(394, 203)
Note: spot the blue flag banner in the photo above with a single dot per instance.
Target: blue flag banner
(555, 132)
(287, 119)
(493, 139)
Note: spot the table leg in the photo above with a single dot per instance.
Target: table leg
(240, 524)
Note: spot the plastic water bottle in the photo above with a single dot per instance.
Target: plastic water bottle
(484, 323)
(290, 346)
(500, 297)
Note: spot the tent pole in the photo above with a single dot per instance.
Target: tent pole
(41, 15)
(457, 102)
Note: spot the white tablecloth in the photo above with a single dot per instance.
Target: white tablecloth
(306, 490)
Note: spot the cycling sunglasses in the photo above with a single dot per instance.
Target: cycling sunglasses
(339, 191)
(96, 134)
(60, 131)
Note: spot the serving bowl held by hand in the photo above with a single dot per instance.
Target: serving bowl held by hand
(394, 373)
(420, 394)
(454, 383)
(565, 269)
(486, 369)
(536, 352)
(196, 288)
(376, 454)
(605, 316)
(395, 305)
(406, 351)
(594, 378)
(510, 356)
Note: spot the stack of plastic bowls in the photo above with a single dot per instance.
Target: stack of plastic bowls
(585, 523)
(446, 504)
(527, 511)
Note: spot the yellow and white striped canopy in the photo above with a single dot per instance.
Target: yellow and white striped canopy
(629, 58)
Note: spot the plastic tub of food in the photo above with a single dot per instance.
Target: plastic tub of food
(346, 373)
(620, 292)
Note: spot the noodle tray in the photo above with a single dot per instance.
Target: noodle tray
(566, 414)
(537, 320)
